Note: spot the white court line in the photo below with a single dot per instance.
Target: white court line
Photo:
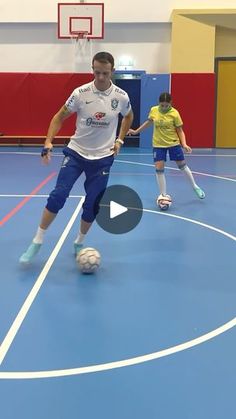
(123, 154)
(34, 291)
(191, 220)
(24, 153)
(176, 169)
(34, 196)
(119, 364)
(189, 155)
(139, 359)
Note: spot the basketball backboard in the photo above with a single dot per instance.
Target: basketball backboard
(74, 18)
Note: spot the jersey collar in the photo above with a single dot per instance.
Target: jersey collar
(104, 92)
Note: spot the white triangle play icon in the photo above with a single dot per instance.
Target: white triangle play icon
(116, 209)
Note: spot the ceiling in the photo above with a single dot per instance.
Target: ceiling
(215, 17)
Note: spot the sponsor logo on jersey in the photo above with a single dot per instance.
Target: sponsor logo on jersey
(117, 90)
(90, 122)
(86, 89)
(114, 103)
(99, 115)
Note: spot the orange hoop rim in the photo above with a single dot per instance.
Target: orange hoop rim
(79, 35)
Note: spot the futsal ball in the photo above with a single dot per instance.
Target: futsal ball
(88, 260)
(164, 202)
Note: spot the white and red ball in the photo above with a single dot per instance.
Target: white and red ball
(164, 202)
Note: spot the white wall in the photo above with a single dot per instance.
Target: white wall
(115, 10)
(35, 47)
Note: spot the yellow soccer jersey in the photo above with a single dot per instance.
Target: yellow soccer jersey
(164, 127)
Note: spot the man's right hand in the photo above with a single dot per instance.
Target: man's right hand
(132, 131)
(46, 153)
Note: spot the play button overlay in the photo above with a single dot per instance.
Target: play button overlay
(116, 209)
(120, 210)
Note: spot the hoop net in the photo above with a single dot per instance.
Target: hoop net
(82, 51)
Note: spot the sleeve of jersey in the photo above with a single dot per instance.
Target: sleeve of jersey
(72, 102)
(178, 120)
(126, 106)
(150, 115)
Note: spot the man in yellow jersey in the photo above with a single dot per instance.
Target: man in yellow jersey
(168, 136)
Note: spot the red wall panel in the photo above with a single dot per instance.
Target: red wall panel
(194, 97)
(29, 101)
(14, 103)
(48, 93)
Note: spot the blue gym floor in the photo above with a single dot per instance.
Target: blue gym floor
(151, 334)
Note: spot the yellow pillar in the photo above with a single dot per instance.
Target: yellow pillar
(225, 118)
(192, 45)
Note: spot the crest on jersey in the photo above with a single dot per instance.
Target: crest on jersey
(114, 103)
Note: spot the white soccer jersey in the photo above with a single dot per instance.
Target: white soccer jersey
(97, 118)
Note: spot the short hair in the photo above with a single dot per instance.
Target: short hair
(104, 57)
(165, 97)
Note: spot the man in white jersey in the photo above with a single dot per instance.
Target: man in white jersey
(91, 149)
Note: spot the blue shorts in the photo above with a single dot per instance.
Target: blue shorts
(96, 178)
(175, 153)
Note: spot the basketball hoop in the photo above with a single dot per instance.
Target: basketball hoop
(82, 49)
(81, 22)
(80, 39)
(80, 35)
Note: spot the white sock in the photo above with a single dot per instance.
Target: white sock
(189, 175)
(39, 236)
(161, 181)
(80, 238)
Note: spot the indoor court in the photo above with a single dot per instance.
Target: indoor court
(153, 330)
